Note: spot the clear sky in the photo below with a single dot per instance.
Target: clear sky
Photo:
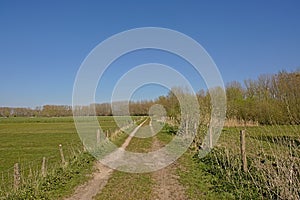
(43, 43)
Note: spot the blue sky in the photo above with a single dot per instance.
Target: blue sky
(43, 43)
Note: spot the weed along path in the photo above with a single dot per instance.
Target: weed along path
(100, 177)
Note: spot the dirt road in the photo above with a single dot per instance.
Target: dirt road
(166, 187)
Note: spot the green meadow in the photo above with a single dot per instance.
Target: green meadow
(26, 140)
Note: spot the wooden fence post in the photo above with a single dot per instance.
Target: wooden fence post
(98, 136)
(84, 148)
(30, 173)
(62, 155)
(210, 138)
(2, 177)
(243, 150)
(44, 167)
(17, 176)
(187, 125)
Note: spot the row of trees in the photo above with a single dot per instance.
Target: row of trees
(270, 99)
(104, 109)
(44, 111)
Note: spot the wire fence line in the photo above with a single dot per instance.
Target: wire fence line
(32, 171)
(257, 161)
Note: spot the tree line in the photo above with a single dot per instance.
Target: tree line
(269, 99)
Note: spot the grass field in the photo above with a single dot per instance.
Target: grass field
(271, 139)
(27, 140)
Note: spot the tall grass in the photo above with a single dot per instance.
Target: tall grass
(273, 156)
(59, 181)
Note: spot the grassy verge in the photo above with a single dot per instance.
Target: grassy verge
(58, 183)
(273, 158)
(123, 185)
(198, 182)
(166, 134)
